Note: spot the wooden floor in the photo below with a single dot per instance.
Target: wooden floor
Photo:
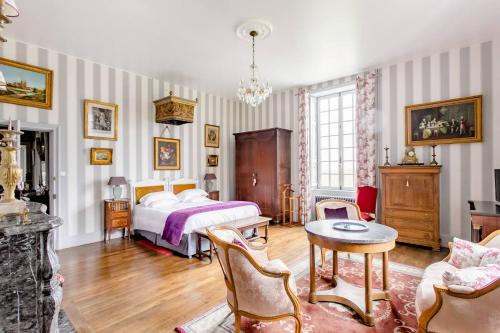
(121, 287)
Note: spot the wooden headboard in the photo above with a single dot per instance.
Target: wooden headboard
(141, 191)
(178, 188)
(179, 185)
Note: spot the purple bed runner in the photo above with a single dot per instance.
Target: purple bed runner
(174, 225)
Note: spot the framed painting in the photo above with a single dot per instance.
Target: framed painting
(101, 156)
(101, 120)
(452, 121)
(212, 160)
(25, 84)
(167, 154)
(212, 133)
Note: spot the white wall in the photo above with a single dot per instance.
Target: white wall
(467, 171)
(83, 188)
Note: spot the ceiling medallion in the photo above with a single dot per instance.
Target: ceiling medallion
(254, 92)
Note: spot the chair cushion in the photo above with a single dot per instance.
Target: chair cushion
(336, 213)
(466, 254)
(236, 241)
(492, 256)
(470, 279)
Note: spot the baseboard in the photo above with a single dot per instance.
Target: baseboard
(94, 237)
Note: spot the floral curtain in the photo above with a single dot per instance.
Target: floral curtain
(304, 156)
(365, 128)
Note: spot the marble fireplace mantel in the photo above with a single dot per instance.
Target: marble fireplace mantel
(30, 291)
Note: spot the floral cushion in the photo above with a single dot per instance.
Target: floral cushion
(467, 280)
(492, 256)
(466, 254)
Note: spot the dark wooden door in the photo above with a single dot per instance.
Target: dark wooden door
(245, 147)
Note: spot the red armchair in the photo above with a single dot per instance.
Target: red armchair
(366, 199)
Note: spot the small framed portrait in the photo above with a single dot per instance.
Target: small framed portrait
(26, 84)
(212, 160)
(167, 154)
(212, 136)
(452, 121)
(101, 120)
(101, 156)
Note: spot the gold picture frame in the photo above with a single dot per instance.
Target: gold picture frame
(33, 85)
(101, 156)
(212, 136)
(167, 154)
(451, 121)
(100, 120)
(213, 160)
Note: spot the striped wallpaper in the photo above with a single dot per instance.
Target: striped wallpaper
(467, 168)
(467, 171)
(83, 186)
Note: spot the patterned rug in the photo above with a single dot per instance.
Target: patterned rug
(396, 315)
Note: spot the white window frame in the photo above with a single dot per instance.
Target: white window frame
(315, 108)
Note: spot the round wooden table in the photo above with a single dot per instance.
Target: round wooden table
(377, 239)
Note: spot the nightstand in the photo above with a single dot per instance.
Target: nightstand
(116, 216)
(213, 195)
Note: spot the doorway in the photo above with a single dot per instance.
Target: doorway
(37, 156)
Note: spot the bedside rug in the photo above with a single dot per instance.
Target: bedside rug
(396, 315)
(158, 249)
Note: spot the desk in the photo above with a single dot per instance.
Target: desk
(485, 218)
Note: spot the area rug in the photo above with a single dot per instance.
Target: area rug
(158, 249)
(396, 315)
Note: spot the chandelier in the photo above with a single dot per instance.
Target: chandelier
(8, 9)
(254, 92)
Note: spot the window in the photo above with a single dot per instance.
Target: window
(333, 128)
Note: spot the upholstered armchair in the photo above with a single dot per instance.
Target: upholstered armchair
(257, 288)
(440, 309)
(353, 213)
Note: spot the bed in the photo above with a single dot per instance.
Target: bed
(149, 222)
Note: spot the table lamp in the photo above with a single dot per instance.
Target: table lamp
(116, 182)
(209, 178)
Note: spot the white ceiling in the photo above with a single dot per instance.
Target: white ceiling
(192, 42)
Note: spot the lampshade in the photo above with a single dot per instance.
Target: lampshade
(10, 8)
(117, 181)
(210, 176)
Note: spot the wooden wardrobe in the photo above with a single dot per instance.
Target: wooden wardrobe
(410, 203)
(262, 167)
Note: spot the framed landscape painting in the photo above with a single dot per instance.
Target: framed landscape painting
(212, 133)
(26, 85)
(101, 156)
(167, 154)
(101, 120)
(452, 121)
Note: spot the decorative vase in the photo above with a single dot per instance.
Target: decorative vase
(10, 174)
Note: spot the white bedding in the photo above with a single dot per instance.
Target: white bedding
(153, 219)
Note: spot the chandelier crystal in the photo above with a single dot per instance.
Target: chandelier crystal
(254, 92)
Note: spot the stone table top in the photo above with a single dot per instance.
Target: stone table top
(376, 233)
(12, 224)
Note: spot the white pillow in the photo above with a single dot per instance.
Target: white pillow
(188, 195)
(164, 203)
(200, 200)
(152, 197)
